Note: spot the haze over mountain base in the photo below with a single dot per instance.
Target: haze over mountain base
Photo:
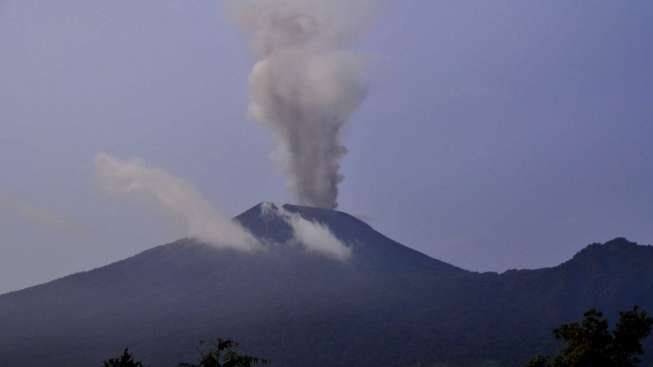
(385, 305)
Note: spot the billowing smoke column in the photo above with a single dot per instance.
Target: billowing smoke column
(306, 84)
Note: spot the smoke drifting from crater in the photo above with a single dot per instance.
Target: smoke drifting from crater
(306, 84)
(175, 196)
(314, 236)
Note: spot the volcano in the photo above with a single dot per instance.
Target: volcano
(386, 305)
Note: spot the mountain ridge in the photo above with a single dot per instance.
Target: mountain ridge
(618, 242)
(323, 312)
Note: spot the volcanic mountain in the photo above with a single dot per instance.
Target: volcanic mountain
(386, 305)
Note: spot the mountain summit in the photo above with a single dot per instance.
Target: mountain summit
(370, 249)
(386, 304)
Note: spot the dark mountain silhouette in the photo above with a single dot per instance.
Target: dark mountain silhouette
(387, 306)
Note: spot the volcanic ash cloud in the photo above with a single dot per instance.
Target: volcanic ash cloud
(306, 84)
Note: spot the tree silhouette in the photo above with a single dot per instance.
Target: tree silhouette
(224, 353)
(590, 343)
(125, 360)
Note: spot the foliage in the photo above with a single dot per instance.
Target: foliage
(590, 343)
(125, 360)
(224, 353)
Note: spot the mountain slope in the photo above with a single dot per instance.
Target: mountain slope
(388, 305)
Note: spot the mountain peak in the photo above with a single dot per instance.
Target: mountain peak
(619, 244)
(617, 252)
(268, 208)
(371, 249)
(265, 216)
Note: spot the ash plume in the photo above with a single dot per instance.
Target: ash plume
(306, 84)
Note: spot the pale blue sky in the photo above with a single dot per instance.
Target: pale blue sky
(497, 134)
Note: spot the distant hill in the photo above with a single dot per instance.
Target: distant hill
(387, 306)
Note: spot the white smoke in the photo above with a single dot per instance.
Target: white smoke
(306, 84)
(175, 196)
(315, 237)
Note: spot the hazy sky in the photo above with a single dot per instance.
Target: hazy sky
(496, 135)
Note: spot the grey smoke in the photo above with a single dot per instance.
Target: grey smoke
(306, 84)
